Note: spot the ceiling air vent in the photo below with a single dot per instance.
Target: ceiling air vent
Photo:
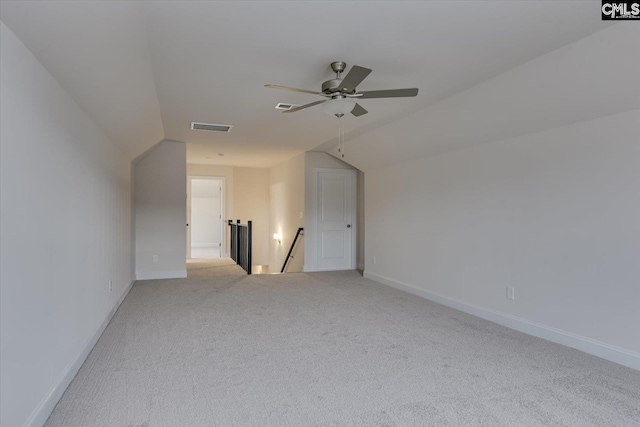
(210, 127)
(283, 106)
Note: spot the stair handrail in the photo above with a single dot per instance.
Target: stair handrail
(293, 244)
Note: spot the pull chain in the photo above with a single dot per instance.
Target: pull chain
(341, 136)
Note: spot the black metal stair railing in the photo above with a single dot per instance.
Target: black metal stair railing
(241, 237)
(293, 245)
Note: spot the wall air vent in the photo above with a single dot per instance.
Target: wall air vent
(209, 127)
(284, 106)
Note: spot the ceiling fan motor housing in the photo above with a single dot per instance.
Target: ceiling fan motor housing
(331, 86)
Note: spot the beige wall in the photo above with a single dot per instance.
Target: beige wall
(246, 198)
(286, 192)
(276, 200)
(251, 202)
(160, 179)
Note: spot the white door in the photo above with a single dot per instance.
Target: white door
(336, 220)
(204, 209)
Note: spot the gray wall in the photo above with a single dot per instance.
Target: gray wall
(160, 182)
(556, 215)
(66, 232)
(528, 180)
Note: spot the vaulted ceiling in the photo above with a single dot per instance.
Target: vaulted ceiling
(145, 70)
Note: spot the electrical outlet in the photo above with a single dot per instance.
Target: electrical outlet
(110, 286)
(511, 293)
(301, 215)
(374, 259)
(155, 258)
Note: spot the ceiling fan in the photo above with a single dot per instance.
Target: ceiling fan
(341, 93)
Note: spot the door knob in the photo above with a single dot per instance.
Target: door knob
(348, 225)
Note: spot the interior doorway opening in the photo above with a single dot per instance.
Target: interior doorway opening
(205, 204)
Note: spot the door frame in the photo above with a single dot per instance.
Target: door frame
(223, 235)
(316, 212)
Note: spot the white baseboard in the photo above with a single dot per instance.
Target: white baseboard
(308, 268)
(597, 348)
(41, 413)
(153, 275)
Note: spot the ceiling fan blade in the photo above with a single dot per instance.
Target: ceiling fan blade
(358, 110)
(391, 93)
(302, 107)
(293, 89)
(356, 75)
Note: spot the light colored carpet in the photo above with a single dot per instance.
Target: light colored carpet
(328, 349)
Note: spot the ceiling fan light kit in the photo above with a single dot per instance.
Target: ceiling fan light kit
(339, 106)
(341, 92)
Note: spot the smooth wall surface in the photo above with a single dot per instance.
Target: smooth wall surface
(287, 211)
(558, 223)
(594, 77)
(251, 202)
(160, 181)
(556, 215)
(65, 226)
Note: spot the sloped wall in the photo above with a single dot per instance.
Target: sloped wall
(66, 232)
(593, 77)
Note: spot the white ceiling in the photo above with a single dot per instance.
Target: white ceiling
(145, 70)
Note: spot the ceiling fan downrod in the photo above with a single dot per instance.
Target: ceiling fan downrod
(338, 67)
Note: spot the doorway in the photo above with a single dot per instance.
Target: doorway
(205, 204)
(335, 196)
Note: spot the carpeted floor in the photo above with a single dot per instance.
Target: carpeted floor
(328, 349)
